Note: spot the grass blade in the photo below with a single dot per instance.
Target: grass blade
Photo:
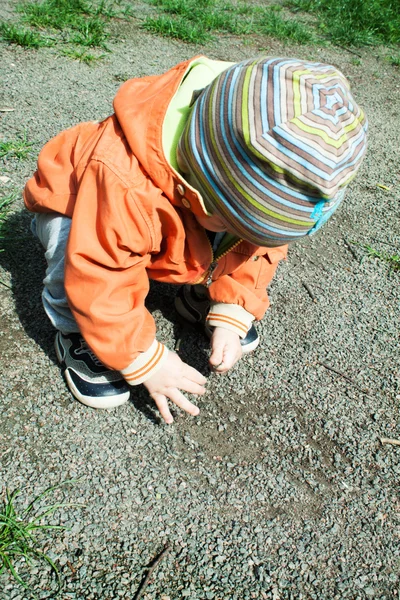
(18, 532)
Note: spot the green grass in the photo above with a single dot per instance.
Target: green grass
(394, 60)
(355, 22)
(15, 148)
(20, 533)
(66, 14)
(349, 22)
(15, 34)
(393, 260)
(284, 29)
(64, 23)
(197, 21)
(78, 21)
(82, 55)
(177, 28)
(84, 23)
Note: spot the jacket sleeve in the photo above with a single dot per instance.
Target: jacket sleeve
(105, 274)
(239, 296)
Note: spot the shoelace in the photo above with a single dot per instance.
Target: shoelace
(84, 349)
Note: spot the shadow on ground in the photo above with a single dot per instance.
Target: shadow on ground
(23, 258)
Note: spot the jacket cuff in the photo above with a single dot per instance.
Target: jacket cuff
(230, 316)
(146, 364)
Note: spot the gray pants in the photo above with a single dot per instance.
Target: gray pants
(53, 231)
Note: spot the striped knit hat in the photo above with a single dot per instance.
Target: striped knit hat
(272, 144)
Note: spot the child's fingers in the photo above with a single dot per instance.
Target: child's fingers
(230, 358)
(180, 400)
(177, 398)
(224, 355)
(187, 385)
(218, 359)
(217, 355)
(193, 375)
(162, 405)
(221, 368)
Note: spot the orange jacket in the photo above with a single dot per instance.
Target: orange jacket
(133, 219)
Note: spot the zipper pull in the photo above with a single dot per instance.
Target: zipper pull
(211, 270)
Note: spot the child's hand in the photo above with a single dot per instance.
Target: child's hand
(175, 375)
(225, 350)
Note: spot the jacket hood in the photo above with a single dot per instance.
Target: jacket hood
(140, 107)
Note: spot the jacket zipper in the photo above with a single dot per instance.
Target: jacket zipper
(209, 273)
(206, 278)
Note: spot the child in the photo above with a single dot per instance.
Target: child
(201, 178)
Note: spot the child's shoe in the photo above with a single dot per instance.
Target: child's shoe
(87, 378)
(193, 304)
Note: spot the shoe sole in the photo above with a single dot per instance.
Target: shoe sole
(107, 402)
(250, 347)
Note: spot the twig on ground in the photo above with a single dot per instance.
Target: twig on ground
(343, 375)
(389, 441)
(185, 329)
(348, 50)
(390, 243)
(72, 568)
(6, 285)
(350, 249)
(309, 291)
(153, 565)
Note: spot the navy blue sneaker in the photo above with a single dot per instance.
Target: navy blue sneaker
(192, 303)
(88, 379)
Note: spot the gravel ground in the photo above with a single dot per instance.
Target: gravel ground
(281, 488)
